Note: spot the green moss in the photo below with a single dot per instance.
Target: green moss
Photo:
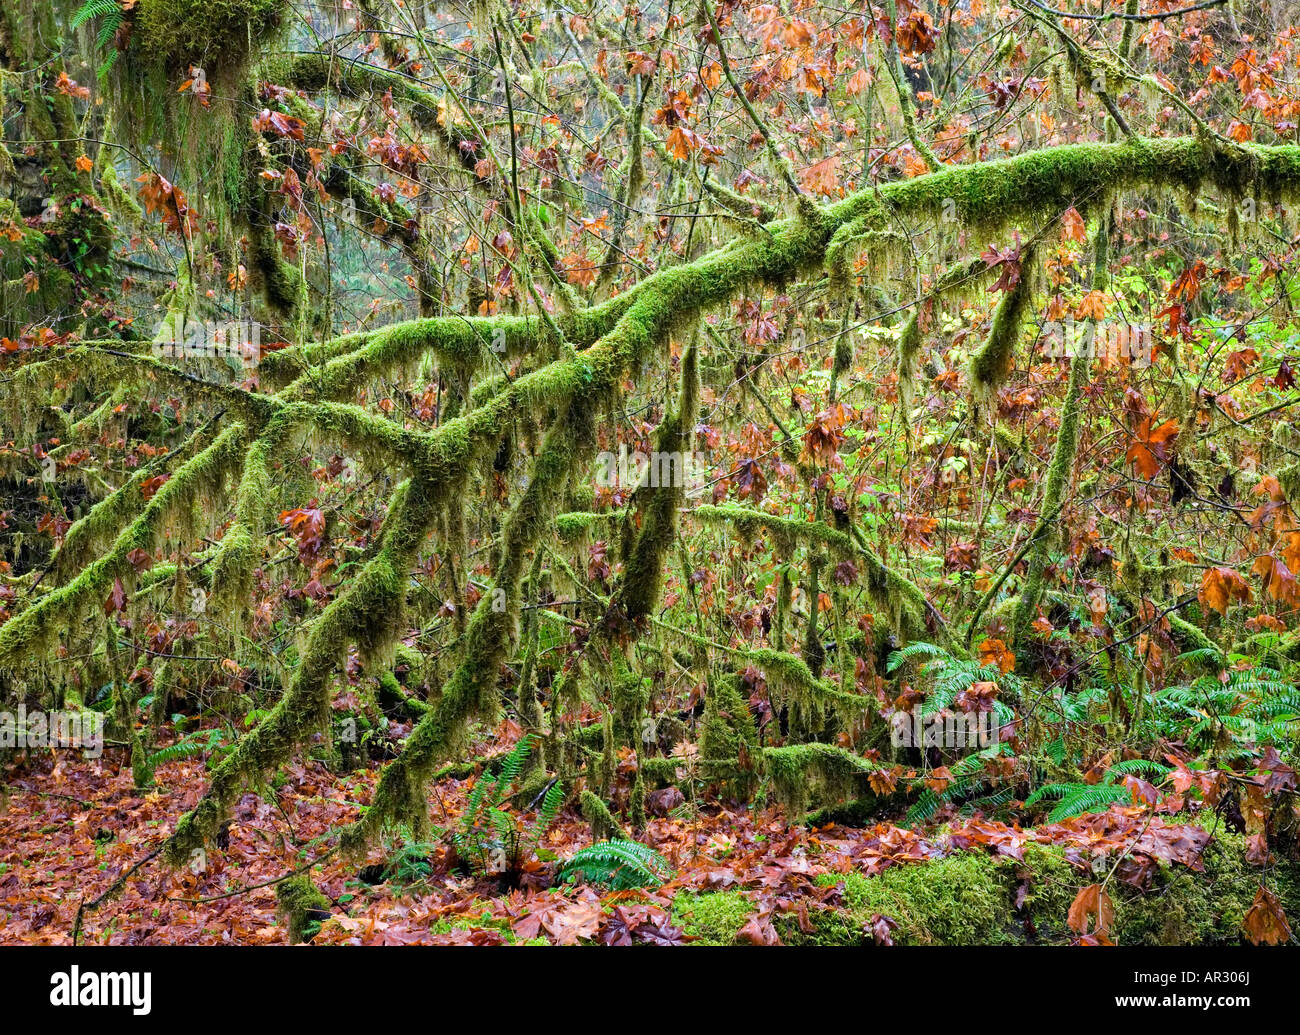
(802, 772)
(604, 826)
(391, 694)
(711, 917)
(302, 907)
(207, 33)
(958, 900)
(576, 526)
(141, 772)
(995, 194)
(1185, 908)
(479, 917)
(990, 366)
(969, 898)
(727, 730)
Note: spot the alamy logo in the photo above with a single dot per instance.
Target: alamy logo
(658, 470)
(95, 988)
(62, 729)
(1092, 339)
(180, 338)
(943, 729)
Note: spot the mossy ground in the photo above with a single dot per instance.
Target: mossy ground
(970, 898)
(711, 917)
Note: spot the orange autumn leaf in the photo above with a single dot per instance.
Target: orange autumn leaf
(1072, 226)
(1091, 912)
(1279, 580)
(1220, 586)
(1091, 307)
(995, 652)
(1150, 447)
(822, 178)
(1265, 922)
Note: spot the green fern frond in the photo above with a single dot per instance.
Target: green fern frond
(919, 649)
(550, 809)
(1136, 767)
(1077, 798)
(1204, 656)
(1087, 799)
(967, 776)
(620, 865)
(94, 9)
(181, 749)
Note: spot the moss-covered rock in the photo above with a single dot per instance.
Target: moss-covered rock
(970, 898)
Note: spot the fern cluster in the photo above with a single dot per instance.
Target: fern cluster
(969, 776)
(1246, 709)
(1230, 712)
(1075, 799)
(619, 865)
(491, 840)
(110, 16)
(950, 676)
(200, 742)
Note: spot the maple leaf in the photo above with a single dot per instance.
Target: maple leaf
(1150, 447)
(1220, 586)
(279, 124)
(1143, 792)
(822, 177)
(750, 481)
(979, 696)
(1175, 320)
(858, 81)
(1265, 922)
(307, 526)
(151, 485)
(882, 928)
(1092, 306)
(1188, 284)
(1279, 580)
(1072, 226)
(995, 652)
(116, 598)
(823, 438)
(1091, 912)
(578, 269)
(758, 931)
(1239, 363)
(139, 559)
(1009, 261)
(916, 33)
(573, 922)
(163, 197)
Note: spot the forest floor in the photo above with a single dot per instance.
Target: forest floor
(70, 826)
